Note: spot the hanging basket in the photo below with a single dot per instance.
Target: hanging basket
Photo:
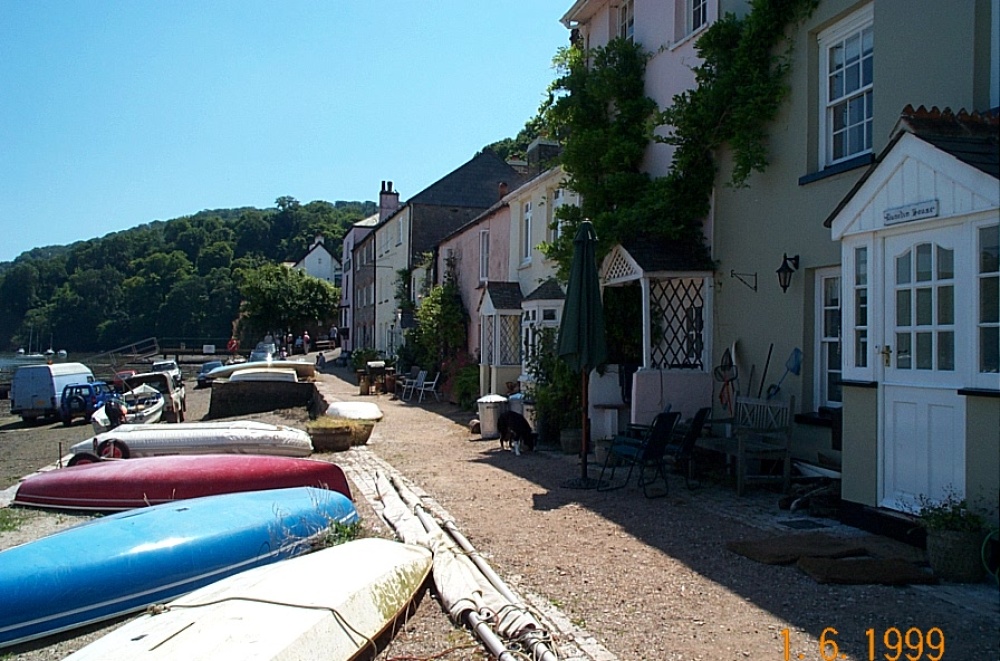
(954, 555)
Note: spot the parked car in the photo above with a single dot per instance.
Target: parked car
(203, 379)
(80, 400)
(261, 355)
(169, 367)
(118, 382)
(35, 389)
(174, 394)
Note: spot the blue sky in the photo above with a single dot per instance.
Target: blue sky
(113, 114)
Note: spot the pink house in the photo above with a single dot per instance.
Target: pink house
(477, 252)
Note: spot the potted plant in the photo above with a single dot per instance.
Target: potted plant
(955, 534)
(555, 391)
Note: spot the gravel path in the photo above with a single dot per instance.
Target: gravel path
(620, 576)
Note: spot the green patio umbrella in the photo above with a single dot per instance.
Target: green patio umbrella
(581, 333)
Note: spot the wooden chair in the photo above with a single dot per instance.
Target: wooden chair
(763, 431)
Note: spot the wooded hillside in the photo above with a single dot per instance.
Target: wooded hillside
(178, 278)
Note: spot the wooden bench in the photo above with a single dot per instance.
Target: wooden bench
(763, 430)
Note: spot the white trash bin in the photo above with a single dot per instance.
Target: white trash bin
(490, 408)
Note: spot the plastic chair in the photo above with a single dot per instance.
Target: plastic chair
(647, 452)
(410, 386)
(430, 388)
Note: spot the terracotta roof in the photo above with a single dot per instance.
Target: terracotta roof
(547, 291)
(504, 295)
(971, 138)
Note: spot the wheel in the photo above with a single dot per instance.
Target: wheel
(67, 421)
(77, 403)
(113, 449)
(83, 458)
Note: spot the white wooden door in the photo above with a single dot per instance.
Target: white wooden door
(924, 344)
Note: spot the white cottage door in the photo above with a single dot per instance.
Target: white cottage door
(921, 358)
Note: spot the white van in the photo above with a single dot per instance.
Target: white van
(35, 389)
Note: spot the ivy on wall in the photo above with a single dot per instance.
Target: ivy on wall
(598, 109)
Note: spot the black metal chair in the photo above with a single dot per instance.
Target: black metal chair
(646, 452)
(682, 452)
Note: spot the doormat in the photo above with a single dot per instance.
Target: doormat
(864, 571)
(786, 549)
(802, 524)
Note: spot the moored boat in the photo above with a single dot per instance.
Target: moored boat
(125, 562)
(121, 485)
(325, 605)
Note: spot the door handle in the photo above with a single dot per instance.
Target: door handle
(886, 352)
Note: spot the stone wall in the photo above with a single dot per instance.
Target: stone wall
(243, 397)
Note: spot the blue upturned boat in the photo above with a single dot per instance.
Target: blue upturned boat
(125, 562)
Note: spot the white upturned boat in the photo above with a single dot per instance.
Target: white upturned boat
(281, 374)
(237, 437)
(144, 405)
(303, 370)
(325, 605)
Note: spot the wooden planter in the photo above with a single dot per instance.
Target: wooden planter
(339, 437)
(331, 440)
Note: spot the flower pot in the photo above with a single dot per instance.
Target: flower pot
(954, 555)
(602, 452)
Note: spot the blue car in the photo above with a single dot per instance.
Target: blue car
(81, 400)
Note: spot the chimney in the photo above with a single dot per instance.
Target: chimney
(388, 201)
(503, 189)
(542, 154)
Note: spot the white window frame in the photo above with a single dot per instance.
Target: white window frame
(554, 226)
(823, 341)
(526, 241)
(981, 378)
(696, 15)
(484, 255)
(857, 356)
(626, 20)
(399, 232)
(832, 37)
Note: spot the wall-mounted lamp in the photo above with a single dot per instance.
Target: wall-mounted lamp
(789, 265)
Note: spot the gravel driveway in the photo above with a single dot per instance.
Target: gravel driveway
(624, 577)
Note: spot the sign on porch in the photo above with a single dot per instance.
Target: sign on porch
(915, 211)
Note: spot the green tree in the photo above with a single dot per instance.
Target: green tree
(278, 297)
(442, 323)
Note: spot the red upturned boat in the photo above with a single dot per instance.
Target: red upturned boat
(109, 486)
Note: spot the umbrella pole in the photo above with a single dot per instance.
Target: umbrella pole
(585, 436)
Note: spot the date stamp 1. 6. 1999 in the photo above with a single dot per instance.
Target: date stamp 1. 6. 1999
(892, 644)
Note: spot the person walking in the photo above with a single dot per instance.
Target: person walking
(305, 341)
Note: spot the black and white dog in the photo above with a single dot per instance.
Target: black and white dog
(515, 431)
